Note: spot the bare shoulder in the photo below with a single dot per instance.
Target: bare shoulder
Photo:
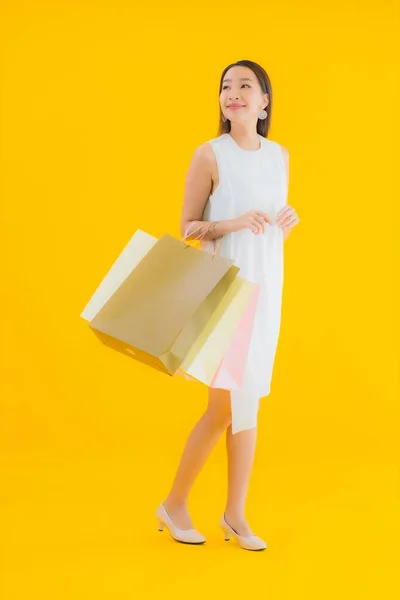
(204, 153)
(204, 162)
(200, 173)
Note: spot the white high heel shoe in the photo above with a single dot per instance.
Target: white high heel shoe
(250, 542)
(185, 536)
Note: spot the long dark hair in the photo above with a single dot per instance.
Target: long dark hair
(266, 88)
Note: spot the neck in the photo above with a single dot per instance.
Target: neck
(245, 134)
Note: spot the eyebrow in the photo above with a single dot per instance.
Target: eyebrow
(241, 79)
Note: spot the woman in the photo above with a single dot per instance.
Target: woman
(247, 176)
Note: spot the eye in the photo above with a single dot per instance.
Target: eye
(225, 86)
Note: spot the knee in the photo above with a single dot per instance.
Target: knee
(218, 420)
(218, 411)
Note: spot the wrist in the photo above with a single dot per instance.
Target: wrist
(230, 226)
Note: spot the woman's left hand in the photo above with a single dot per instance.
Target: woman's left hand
(287, 217)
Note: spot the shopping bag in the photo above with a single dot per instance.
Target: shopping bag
(220, 362)
(218, 358)
(157, 298)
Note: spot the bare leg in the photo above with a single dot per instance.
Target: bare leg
(241, 450)
(201, 441)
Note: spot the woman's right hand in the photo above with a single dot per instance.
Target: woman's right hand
(253, 219)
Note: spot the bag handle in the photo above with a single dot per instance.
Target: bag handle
(216, 243)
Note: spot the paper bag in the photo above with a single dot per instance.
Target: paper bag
(220, 360)
(155, 301)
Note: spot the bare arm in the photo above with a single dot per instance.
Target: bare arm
(198, 186)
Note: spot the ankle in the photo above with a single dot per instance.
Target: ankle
(236, 519)
(175, 503)
(234, 513)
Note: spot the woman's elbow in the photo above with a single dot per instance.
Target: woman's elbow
(187, 228)
(184, 227)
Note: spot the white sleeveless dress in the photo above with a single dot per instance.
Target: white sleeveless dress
(252, 179)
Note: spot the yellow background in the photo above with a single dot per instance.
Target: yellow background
(102, 106)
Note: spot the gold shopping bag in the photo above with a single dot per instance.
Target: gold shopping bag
(157, 298)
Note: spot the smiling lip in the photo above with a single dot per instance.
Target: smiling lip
(234, 106)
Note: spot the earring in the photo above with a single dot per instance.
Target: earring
(263, 115)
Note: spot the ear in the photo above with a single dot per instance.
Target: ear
(266, 99)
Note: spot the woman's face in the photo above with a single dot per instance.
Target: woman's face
(240, 86)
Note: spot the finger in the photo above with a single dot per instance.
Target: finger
(282, 217)
(288, 223)
(264, 216)
(261, 222)
(256, 227)
(284, 210)
(253, 227)
(285, 223)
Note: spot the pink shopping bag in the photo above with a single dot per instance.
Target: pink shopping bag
(230, 372)
(232, 368)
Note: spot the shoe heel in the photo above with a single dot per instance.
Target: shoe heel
(160, 526)
(227, 536)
